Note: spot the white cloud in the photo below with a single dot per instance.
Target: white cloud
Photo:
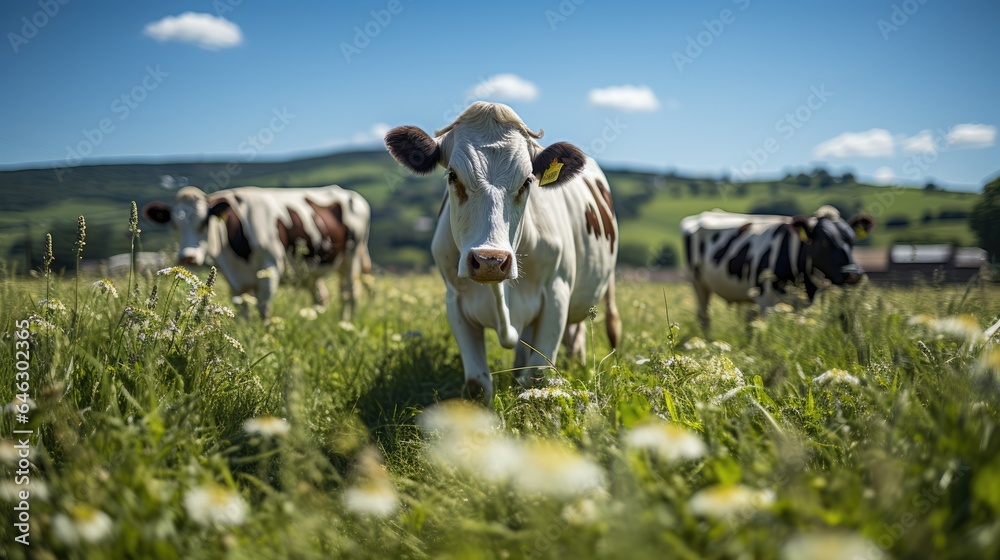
(505, 87)
(373, 135)
(876, 142)
(884, 175)
(205, 30)
(627, 98)
(922, 143)
(970, 135)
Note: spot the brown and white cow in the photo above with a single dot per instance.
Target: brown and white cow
(251, 232)
(526, 240)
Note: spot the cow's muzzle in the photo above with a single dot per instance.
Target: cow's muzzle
(852, 273)
(489, 266)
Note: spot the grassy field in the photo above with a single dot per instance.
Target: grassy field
(863, 427)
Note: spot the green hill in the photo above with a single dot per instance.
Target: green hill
(649, 205)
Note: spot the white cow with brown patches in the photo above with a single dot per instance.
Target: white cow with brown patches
(251, 232)
(526, 240)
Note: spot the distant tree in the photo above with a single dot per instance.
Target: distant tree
(930, 186)
(666, 257)
(928, 217)
(848, 178)
(985, 218)
(803, 180)
(694, 187)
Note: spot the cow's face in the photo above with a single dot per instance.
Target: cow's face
(491, 168)
(190, 216)
(830, 243)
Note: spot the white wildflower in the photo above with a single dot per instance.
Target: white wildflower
(267, 426)
(640, 360)
(53, 306)
(830, 545)
(180, 273)
(82, 523)
(722, 346)
(215, 505)
(105, 286)
(214, 309)
(721, 501)
(695, 344)
(959, 326)
(234, 343)
(581, 512)
(346, 325)
(308, 313)
(373, 494)
(8, 453)
(543, 393)
(782, 307)
(556, 471)
(670, 442)
(835, 376)
(457, 417)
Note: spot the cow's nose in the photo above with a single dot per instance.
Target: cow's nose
(489, 265)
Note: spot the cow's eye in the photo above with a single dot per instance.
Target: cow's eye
(452, 176)
(524, 187)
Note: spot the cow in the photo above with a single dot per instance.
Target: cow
(526, 239)
(751, 258)
(252, 234)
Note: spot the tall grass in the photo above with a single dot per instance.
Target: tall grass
(847, 424)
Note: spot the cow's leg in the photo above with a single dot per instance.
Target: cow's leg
(350, 270)
(321, 295)
(703, 294)
(549, 329)
(521, 351)
(472, 346)
(267, 286)
(613, 321)
(575, 340)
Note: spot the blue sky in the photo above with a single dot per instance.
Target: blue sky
(901, 91)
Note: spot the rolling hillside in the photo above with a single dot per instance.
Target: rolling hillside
(649, 205)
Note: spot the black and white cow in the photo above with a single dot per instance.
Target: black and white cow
(526, 240)
(749, 258)
(250, 232)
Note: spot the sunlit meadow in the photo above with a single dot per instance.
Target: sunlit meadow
(169, 426)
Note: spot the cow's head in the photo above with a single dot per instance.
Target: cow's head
(829, 240)
(492, 164)
(190, 215)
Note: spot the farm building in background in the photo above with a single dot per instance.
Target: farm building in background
(906, 264)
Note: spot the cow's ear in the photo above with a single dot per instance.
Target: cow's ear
(413, 149)
(862, 224)
(558, 164)
(218, 208)
(803, 228)
(157, 212)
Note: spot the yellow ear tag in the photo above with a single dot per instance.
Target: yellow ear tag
(551, 174)
(803, 235)
(860, 232)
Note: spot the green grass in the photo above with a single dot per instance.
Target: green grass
(140, 400)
